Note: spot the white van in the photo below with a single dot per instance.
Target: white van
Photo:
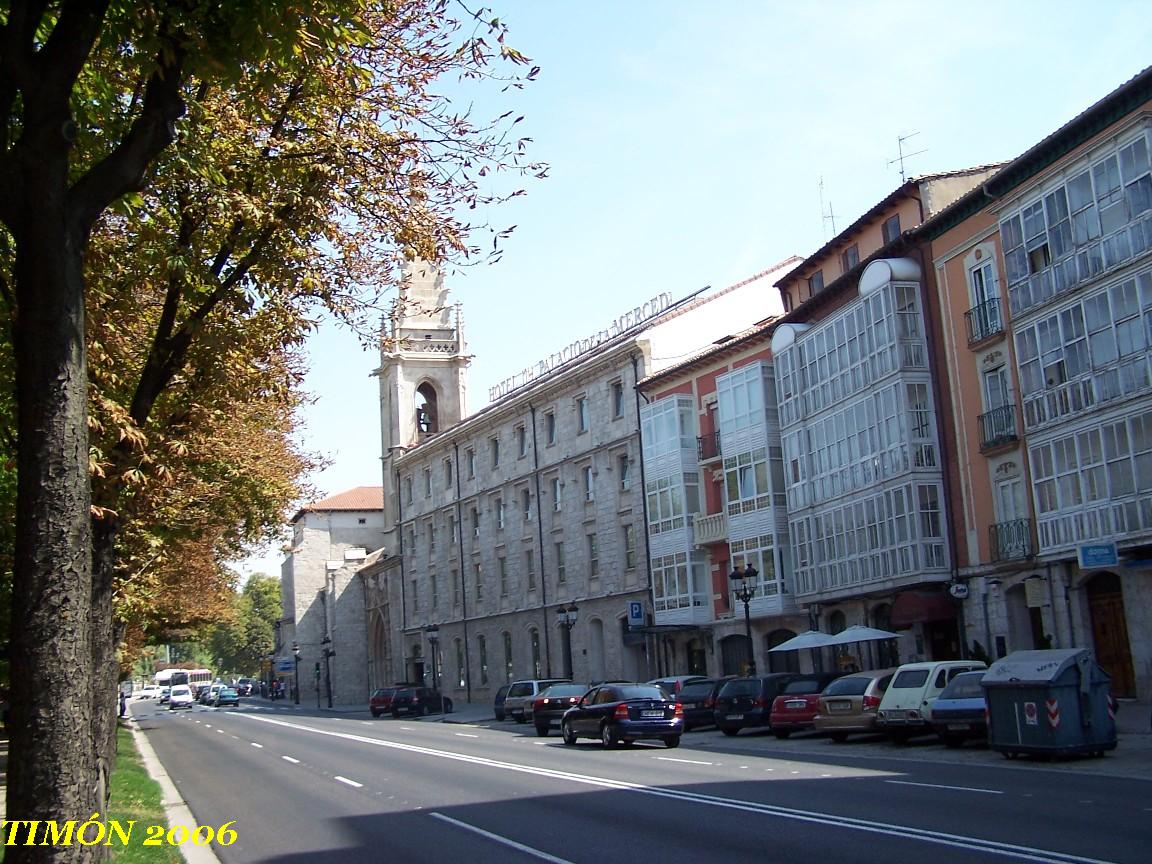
(906, 707)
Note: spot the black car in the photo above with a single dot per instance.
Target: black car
(624, 713)
(418, 701)
(551, 703)
(746, 703)
(699, 701)
(498, 702)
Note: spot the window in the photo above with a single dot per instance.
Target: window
(470, 462)
(550, 428)
(746, 478)
(498, 508)
(617, 400)
(460, 668)
(674, 581)
(521, 442)
(629, 542)
(815, 283)
(740, 399)
(415, 595)
(588, 477)
(890, 229)
(494, 451)
(457, 589)
(475, 515)
(593, 556)
(507, 658)
(850, 257)
(447, 473)
(453, 537)
(668, 425)
(982, 283)
(482, 647)
(434, 588)
(561, 577)
(526, 504)
(502, 569)
(428, 482)
(556, 494)
(582, 414)
(408, 489)
(478, 575)
(431, 537)
(530, 569)
(623, 471)
(535, 635)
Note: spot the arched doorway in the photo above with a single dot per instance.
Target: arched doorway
(735, 654)
(1110, 631)
(781, 661)
(381, 655)
(697, 659)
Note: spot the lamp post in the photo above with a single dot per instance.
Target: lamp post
(296, 680)
(566, 618)
(744, 588)
(329, 653)
(433, 633)
(271, 673)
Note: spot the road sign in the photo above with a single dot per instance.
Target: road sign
(1030, 713)
(285, 665)
(635, 613)
(1098, 555)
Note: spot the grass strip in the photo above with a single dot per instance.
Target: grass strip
(135, 795)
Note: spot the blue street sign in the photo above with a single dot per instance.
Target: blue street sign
(635, 613)
(1098, 555)
(285, 665)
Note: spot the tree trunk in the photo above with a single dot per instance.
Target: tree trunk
(51, 765)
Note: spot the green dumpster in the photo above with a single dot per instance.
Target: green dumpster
(1049, 703)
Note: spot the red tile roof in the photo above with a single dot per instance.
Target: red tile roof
(360, 498)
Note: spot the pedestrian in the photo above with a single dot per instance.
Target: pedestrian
(123, 704)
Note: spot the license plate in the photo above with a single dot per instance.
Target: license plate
(796, 703)
(958, 727)
(839, 707)
(735, 717)
(691, 705)
(651, 713)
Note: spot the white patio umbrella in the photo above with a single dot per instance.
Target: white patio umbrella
(811, 639)
(859, 633)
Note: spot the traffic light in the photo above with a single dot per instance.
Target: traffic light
(317, 670)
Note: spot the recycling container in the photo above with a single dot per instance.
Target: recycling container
(1053, 702)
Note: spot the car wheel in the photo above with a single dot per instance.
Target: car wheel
(569, 735)
(782, 733)
(671, 741)
(607, 736)
(542, 731)
(838, 737)
(729, 731)
(499, 716)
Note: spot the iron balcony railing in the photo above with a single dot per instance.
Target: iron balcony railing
(984, 320)
(998, 427)
(708, 446)
(1011, 541)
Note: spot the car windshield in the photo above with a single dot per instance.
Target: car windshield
(910, 678)
(386, 691)
(565, 690)
(180, 691)
(964, 687)
(227, 691)
(746, 687)
(847, 687)
(804, 685)
(522, 689)
(696, 690)
(640, 691)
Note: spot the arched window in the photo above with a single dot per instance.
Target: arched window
(427, 412)
(507, 657)
(837, 622)
(535, 634)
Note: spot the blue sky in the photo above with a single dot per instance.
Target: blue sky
(687, 142)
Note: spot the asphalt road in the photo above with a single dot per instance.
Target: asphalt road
(349, 788)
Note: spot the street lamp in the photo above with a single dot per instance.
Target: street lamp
(433, 633)
(566, 618)
(296, 682)
(744, 588)
(329, 653)
(271, 673)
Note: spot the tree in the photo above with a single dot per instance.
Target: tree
(241, 641)
(92, 95)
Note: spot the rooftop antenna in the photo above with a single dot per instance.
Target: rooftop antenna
(825, 217)
(900, 149)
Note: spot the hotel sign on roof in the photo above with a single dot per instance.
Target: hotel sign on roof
(628, 321)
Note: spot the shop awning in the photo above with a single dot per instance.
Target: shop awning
(916, 607)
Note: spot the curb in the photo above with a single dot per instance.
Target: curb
(175, 808)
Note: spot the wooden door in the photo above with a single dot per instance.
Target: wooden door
(1110, 632)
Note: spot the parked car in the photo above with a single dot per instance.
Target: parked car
(180, 697)
(498, 702)
(746, 703)
(207, 695)
(380, 702)
(521, 695)
(549, 707)
(906, 706)
(149, 691)
(165, 692)
(699, 701)
(624, 713)
(419, 701)
(848, 705)
(795, 709)
(959, 712)
(226, 696)
(673, 684)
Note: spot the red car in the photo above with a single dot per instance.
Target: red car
(380, 702)
(795, 709)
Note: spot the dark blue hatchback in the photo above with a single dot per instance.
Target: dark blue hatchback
(623, 713)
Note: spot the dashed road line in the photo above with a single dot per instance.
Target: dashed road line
(290, 759)
(254, 744)
(685, 761)
(352, 783)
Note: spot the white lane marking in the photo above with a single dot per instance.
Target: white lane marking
(465, 735)
(254, 744)
(290, 759)
(868, 826)
(349, 782)
(953, 788)
(237, 737)
(221, 731)
(527, 850)
(685, 761)
(207, 725)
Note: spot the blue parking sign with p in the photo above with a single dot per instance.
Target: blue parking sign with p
(635, 613)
